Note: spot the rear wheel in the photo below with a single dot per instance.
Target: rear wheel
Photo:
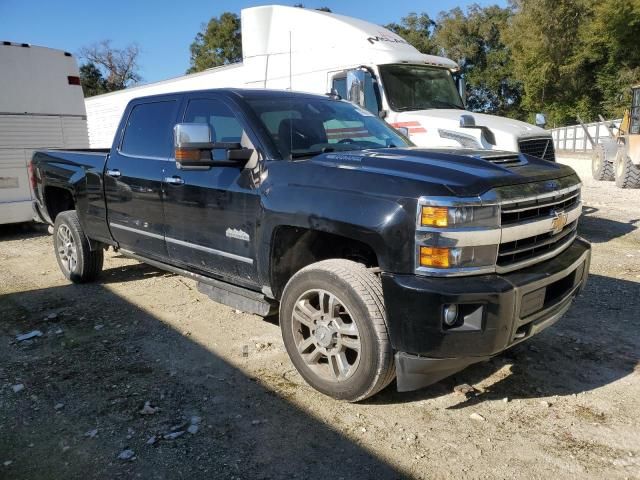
(627, 174)
(75, 258)
(601, 169)
(333, 325)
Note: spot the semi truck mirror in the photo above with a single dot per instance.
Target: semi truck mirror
(541, 120)
(404, 131)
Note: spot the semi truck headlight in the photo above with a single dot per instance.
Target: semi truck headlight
(458, 257)
(459, 216)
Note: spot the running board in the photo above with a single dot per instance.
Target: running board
(222, 292)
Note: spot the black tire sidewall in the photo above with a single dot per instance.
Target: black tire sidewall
(361, 381)
(81, 247)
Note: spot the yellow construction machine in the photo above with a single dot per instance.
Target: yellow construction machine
(618, 157)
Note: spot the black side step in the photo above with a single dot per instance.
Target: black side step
(238, 297)
(222, 292)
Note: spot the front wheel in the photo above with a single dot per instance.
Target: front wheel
(75, 258)
(627, 174)
(333, 324)
(601, 169)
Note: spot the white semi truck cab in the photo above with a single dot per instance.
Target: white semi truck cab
(318, 52)
(310, 50)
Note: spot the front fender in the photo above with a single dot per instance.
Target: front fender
(384, 223)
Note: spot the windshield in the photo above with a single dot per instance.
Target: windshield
(303, 126)
(419, 87)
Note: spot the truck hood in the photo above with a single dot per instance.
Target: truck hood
(507, 131)
(461, 172)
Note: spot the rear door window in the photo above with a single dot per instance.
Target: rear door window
(148, 132)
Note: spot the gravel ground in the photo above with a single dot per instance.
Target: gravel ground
(141, 376)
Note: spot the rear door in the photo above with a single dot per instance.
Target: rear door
(212, 213)
(133, 176)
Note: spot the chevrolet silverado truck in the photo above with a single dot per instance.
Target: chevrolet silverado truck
(383, 260)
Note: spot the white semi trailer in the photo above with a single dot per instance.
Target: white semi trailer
(41, 106)
(312, 51)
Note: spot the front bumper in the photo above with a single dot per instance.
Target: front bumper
(502, 310)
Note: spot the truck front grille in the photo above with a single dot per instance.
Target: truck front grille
(531, 209)
(536, 227)
(538, 147)
(511, 253)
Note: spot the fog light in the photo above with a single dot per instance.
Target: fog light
(450, 316)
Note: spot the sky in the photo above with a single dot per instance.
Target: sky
(164, 29)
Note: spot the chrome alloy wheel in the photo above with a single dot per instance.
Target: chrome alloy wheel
(326, 335)
(66, 248)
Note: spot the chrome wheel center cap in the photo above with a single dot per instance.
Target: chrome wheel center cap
(324, 336)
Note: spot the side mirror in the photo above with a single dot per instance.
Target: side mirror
(541, 120)
(191, 141)
(461, 83)
(194, 148)
(360, 84)
(467, 121)
(404, 131)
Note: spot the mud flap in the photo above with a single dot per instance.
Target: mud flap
(415, 372)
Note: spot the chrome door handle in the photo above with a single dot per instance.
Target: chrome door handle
(174, 180)
(114, 173)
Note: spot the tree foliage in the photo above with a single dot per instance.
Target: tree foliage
(118, 68)
(474, 40)
(92, 81)
(218, 43)
(418, 30)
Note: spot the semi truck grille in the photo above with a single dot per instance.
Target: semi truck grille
(530, 247)
(538, 147)
(538, 208)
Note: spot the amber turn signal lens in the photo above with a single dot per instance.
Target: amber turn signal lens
(183, 154)
(434, 257)
(434, 217)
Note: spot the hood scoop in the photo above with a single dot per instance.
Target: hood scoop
(505, 159)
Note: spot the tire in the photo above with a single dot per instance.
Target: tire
(75, 258)
(601, 169)
(321, 341)
(626, 173)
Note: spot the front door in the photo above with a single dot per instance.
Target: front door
(212, 213)
(133, 178)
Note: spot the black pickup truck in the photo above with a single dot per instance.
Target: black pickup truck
(385, 261)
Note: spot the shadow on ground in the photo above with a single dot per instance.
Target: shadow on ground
(600, 230)
(22, 231)
(596, 343)
(102, 377)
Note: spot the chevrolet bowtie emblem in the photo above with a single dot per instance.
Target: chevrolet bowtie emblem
(558, 221)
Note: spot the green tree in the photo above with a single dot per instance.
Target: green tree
(218, 43)
(418, 30)
(544, 40)
(474, 40)
(92, 81)
(609, 47)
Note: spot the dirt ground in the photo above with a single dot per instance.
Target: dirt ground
(564, 405)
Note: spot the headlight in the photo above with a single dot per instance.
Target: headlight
(459, 216)
(457, 236)
(457, 257)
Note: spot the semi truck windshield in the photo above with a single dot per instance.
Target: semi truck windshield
(419, 87)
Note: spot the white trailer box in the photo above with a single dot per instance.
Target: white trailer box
(41, 106)
(319, 52)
